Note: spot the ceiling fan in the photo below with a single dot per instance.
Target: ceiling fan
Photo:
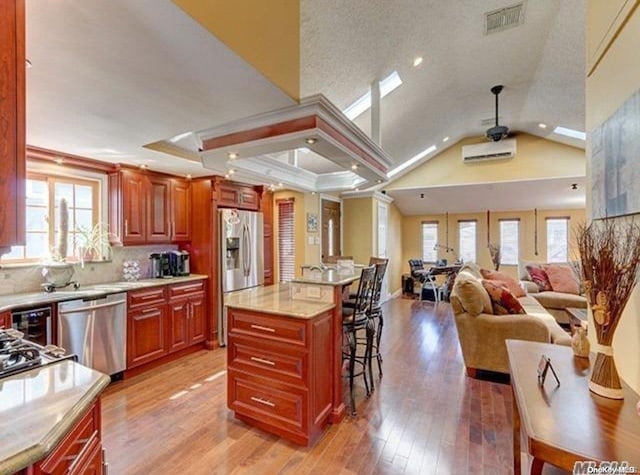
(497, 132)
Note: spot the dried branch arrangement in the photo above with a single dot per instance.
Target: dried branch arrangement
(609, 262)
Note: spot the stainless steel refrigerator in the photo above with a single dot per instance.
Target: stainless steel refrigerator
(241, 256)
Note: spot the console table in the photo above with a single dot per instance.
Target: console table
(565, 424)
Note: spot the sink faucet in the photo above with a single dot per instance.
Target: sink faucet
(320, 267)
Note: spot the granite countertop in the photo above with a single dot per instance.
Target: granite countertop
(39, 407)
(275, 299)
(327, 277)
(9, 302)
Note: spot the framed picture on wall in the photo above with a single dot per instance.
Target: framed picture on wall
(312, 223)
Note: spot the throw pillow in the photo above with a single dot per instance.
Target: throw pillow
(471, 294)
(502, 300)
(562, 279)
(539, 277)
(511, 283)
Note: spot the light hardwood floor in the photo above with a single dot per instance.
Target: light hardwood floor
(425, 416)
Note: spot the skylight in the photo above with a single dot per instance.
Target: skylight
(576, 134)
(411, 161)
(388, 84)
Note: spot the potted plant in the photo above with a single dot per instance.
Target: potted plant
(609, 263)
(93, 243)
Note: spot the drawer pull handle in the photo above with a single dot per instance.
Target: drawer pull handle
(264, 329)
(263, 361)
(262, 401)
(149, 310)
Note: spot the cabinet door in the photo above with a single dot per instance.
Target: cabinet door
(197, 317)
(181, 210)
(228, 195)
(12, 122)
(267, 211)
(134, 213)
(5, 320)
(179, 312)
(249, 198)
(146, 335)
(158, 222)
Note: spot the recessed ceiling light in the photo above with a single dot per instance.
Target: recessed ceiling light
(354, 166)
(446, 139)
(144, 166)
(311, 140)
(59, 161)
(417, 61)
(388, 84)
(188, 176)
(227, 176)
(232, 171)
(313, 192)
(232, 155)
(378, 181)
(542, 126)
(280, 185)
(357, 189)
(576, 134)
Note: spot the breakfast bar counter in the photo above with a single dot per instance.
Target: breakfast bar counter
(277, 299)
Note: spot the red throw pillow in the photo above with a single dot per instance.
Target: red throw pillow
(502, 300)
(540, 278)
(562, 279)
(511, 283)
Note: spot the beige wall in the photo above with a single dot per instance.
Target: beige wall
(358, 228)
(615, 78)
(265, 34)
(412, 234)
(535, 158)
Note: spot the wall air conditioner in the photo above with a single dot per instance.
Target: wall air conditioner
(489, 151)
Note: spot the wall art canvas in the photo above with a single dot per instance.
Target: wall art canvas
(615, 162)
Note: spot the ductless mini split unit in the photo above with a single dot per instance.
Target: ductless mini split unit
(489, 151)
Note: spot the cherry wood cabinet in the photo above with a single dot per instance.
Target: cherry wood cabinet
(158, 209)
(187, 310)
(234, 195)
(148, 208)
(80, 452)
(146, 326)
(5, 319)
(12, 123)
(279, 373)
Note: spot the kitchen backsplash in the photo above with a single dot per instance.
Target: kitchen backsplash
(29, 278)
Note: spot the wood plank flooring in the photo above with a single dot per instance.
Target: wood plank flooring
(425, 416)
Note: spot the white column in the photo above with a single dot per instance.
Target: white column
(375, 112)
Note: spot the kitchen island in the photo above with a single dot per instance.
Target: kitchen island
(285, 355)
(50, 417)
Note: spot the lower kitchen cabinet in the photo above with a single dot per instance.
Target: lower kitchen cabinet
(279, 372)
(80, 452)
(187, 320)
(146, 335)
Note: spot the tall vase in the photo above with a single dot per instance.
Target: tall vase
(604, 376)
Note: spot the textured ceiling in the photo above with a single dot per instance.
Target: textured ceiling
(347, 45)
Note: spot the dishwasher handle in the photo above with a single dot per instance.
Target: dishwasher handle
(91, 307)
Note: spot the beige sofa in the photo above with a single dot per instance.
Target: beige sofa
(555, 302)
(482, 336)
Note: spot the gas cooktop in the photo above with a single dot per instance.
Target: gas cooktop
(18, 355)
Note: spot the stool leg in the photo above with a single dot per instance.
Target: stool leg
(352, 363)
(378, 338)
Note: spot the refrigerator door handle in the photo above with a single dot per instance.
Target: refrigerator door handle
(245, 250)
(249, 252)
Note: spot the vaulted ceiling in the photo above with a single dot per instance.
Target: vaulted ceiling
(110, 77)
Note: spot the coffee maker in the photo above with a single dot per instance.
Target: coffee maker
(160, 265)
(179, 263)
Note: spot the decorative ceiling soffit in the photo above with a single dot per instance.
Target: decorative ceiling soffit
(314, 124)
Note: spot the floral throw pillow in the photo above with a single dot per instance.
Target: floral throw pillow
(511, 283)
(502, 300)
(540, 278)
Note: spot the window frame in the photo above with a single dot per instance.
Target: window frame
(435, 251)
(566, 220)
(475, 239)
(517, 222)
(51, 179)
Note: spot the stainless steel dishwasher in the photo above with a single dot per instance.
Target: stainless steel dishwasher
(95, 329)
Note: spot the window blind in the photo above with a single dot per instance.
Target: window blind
(509, 241)
(286, 240)
(429, 241)
(467, 240)
(557, 239)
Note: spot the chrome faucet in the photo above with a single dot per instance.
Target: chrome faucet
(320, 267)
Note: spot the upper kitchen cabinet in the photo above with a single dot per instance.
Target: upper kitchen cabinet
(234, 195)
(12, 123)
(147, 207)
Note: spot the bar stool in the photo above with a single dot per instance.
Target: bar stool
(376, 314)
(356, 319)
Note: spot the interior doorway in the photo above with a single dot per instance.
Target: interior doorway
(330, 217)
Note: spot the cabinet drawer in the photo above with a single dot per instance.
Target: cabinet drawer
(179, 290)
(146, 297)
(75, 447)
(286, 330)
(268, 359)
(258, 399)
